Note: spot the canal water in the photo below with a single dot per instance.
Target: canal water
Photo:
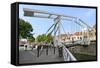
(81, 57)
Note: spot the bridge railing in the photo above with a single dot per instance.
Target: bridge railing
(68, 55)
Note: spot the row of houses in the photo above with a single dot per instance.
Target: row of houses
(91, 35)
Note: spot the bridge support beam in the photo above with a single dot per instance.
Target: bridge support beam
(57, 31)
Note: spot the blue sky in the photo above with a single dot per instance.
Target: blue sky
(41, 25)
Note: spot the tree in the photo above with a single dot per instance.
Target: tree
(50, 38)
(25, 29)
(44, 37)
(31, 39)
(41, 38)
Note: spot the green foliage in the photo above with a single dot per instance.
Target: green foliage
(43, 37)
(25, 29)
(31, 39)
(50, 38)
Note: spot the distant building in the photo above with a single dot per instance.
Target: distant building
(91, 35)
(71, 37)
(22, 41)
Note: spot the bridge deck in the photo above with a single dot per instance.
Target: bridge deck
(30, 56)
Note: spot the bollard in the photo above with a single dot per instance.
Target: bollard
(54, 50)
(38, 49)
(60, 51)
(46, 50)
(25, 47)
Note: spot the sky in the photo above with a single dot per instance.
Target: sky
(41, 25)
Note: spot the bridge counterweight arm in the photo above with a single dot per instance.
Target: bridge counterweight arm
(45, 12)
(54, 15)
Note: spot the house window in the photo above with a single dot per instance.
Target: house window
(77, 37)
(85, 36)
(68, 38)
(80, 38)
(91, 34)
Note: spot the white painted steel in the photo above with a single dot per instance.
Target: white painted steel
(68, 55)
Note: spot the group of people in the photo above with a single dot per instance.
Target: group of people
(45, 46)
